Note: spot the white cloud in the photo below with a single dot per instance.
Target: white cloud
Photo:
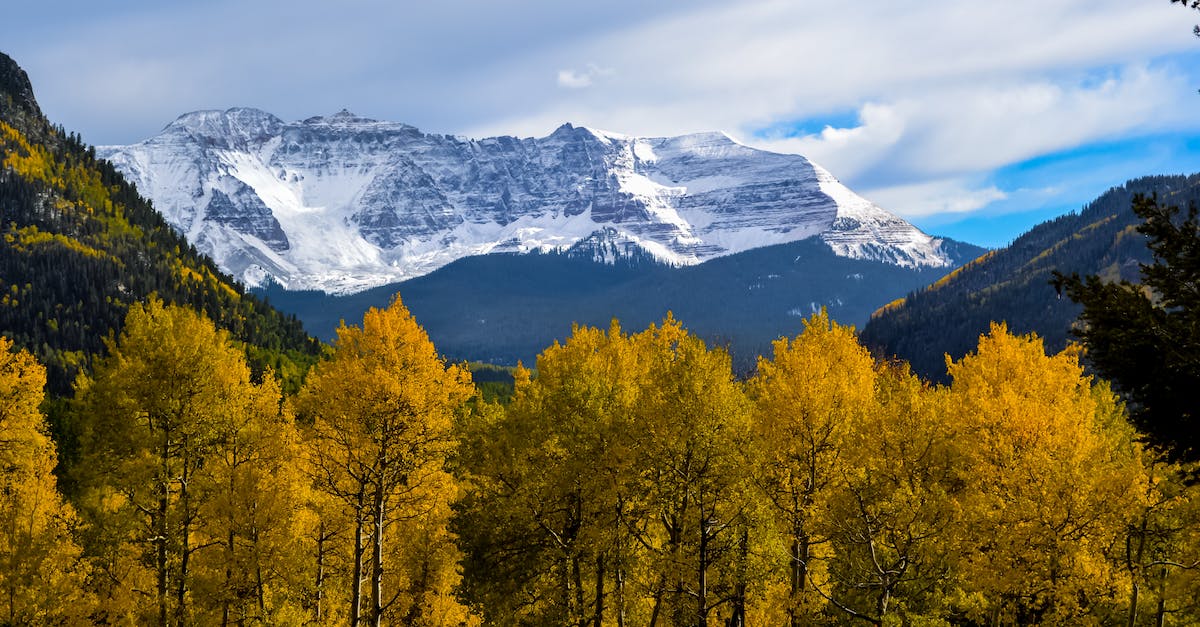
(576, 79)
(971, 128)
(738, 67)
(849, 151)
(573, 79)
(935, 197)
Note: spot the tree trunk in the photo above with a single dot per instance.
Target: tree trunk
(356, 582)
(577, 614)
(619, 565)
(702, 574)
(737, 616)
(658, 595)
(259, 587)
(12, 601)
(799, 572)
(185, 550)
(1160, 615)
(319, 592)
(598, 616)
(881, 603)
(160, 561)
(160, 529)
(377, 522)
(620, 576)
(1135, 572)
(228, 578)
(564, 584)
(184, 542)
(675, 542)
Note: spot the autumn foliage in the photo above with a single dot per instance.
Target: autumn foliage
(630, 480)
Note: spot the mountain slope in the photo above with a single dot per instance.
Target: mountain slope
(1013, 284)
(80, 245)
(343, 203)
(505, 307)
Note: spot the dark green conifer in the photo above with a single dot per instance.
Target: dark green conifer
(1146, 338)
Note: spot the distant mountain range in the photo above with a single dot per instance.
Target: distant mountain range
(343, 203)
(1012, 284)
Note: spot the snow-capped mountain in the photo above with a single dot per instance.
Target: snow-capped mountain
(344, 203)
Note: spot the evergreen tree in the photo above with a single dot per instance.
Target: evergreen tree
(1146, 338)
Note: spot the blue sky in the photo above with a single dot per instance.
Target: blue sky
(974, 120)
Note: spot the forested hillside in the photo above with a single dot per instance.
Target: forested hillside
(506, 307)
(1012, 284)
(80, 245)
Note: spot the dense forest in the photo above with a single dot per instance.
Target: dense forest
(633, 481)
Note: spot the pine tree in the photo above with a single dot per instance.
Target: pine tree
(1146, 338)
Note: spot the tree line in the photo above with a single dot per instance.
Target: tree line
(633, 481)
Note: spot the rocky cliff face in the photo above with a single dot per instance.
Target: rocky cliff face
(344, 203)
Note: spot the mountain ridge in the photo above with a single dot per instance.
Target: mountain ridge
(343, 203)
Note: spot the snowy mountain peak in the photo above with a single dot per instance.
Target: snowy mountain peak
(345, 119)
(239, 122)
(343, 203)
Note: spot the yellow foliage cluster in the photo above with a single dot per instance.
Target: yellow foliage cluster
(35, 163)
(206, 502)
(381, 414)
(205, 276)
(942, 282)
(30, 237)
(633, 481)
(41, 574)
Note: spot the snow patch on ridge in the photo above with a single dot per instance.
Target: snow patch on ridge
(332, 182)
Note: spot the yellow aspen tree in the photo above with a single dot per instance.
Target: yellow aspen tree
(156, 419)
(893, 519)
(546, 518)
(816, 390)
(321, 529)
(1161, 551)
(41, 573)
(693, 419)
(382, 413)
(1054, 476)
(253, 493)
